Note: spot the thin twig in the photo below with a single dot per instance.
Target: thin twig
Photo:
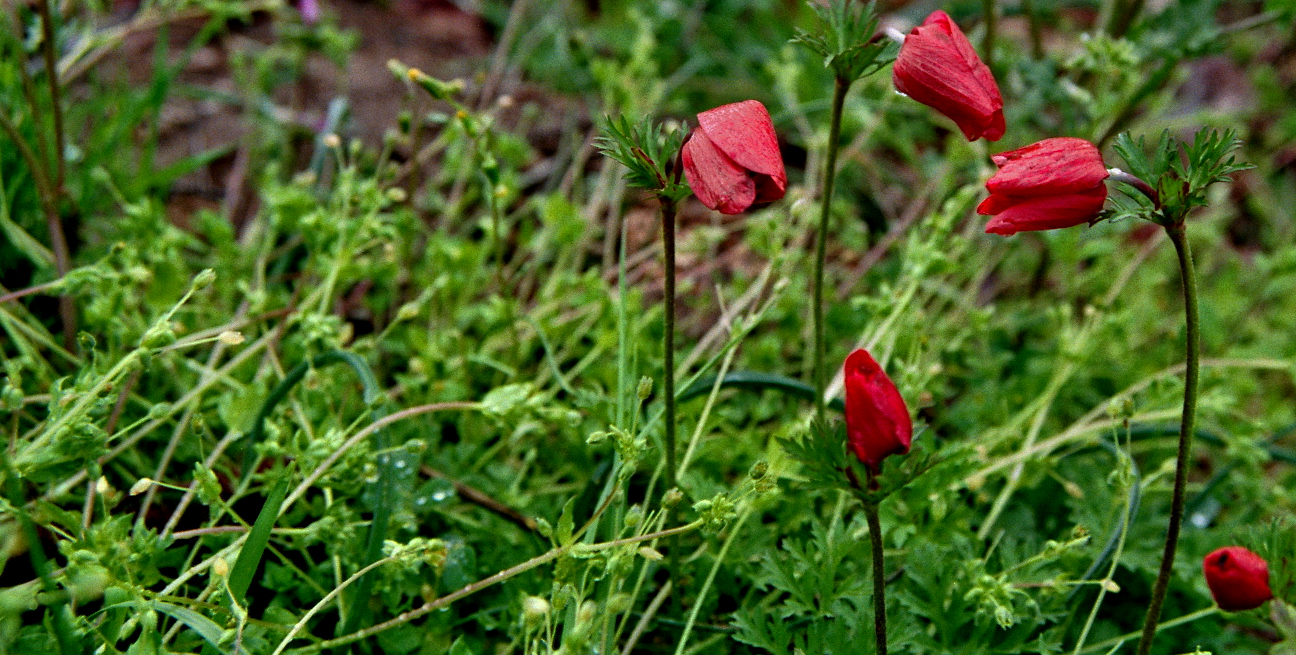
(482, 499)
(406, 617)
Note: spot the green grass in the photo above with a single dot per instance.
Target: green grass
(497, 317)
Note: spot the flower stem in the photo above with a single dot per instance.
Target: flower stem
(879, 574)
(668, 339)
(1178, 236)
(988, 11)
(840, 87)
(58, 240)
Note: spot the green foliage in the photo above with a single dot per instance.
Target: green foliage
(846, 39)
(499, 293)
(1178, 175)
(650, 154)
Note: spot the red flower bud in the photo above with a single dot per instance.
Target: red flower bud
(1238, 578)
(732, 158)
(938, 67)
(1051, 184)
(877, 421)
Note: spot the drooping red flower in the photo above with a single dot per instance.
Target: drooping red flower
(938, 67)
(1238, 578)
(1051, 184)
(732, 158)
(877, 421)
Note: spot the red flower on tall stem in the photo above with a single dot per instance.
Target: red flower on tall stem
(938, 67)
(732, 159)
(1238, 578)
(877, 420)
(1051, 184)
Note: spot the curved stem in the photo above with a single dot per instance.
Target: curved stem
(840, 88)
(1178, 236)
(879, 575)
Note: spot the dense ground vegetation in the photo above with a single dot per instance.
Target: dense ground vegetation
(247, 264)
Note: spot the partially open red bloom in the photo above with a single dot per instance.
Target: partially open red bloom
(938, 67)
(732, 158)
(877, 421)
(1051, 184)
(1238, 578)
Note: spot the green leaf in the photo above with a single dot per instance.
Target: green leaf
(566, 523)
(25, 243)
(240, 578)
(460, 647)
(205, 627)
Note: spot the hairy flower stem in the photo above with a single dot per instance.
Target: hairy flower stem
(879, 574)
(820, 370)
(1178, 236)
(668, 339)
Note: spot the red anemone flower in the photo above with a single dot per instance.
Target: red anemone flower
(1238, 578)
(877, 421)
(938, 67)
(1051, 184)
(732, 158)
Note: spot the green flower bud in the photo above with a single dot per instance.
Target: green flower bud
(204, 279)
(672, 498)
(534, 611)
(645, 387)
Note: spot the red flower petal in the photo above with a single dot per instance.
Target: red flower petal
(1043, 213)
(732, 158)
(718, 181)
(1052, 166)
(938, 67)
(745, 132)
(1238, 578)
(877, 421)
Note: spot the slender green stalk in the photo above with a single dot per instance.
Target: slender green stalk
(1187, 618)
(668, 370)
(1178, 235)
(48, 193)
(710, 579)
(1123, 16)
(668, 345)
(1036, 34)
(879, 574)
(406, 617)
(840, 87)
(1129, 510)
(51, 75)
(988, 11)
